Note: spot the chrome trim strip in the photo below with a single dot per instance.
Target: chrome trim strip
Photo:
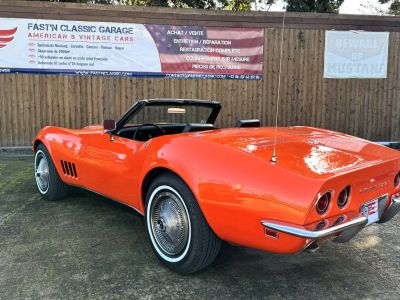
(300, 231)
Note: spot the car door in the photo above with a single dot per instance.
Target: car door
(109, 167)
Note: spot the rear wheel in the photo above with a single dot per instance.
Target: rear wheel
(48, 182)
(179, 234)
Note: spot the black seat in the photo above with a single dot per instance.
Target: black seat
(248, 123)
(191, 127)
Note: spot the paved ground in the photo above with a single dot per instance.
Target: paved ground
(89, 247)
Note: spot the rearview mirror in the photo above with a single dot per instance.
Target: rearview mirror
(109, 125)
(176, 110)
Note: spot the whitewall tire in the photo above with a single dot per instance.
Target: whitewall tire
(179, 234)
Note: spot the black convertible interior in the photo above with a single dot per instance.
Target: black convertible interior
(169, 116)
(147, 131)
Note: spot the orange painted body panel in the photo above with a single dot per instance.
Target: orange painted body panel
(230, 173)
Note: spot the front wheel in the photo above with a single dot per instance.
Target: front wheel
(48, 182)
(179, 234)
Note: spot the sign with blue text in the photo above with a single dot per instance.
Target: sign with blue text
(356, 54)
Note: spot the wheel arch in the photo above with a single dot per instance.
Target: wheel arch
(42, 141)
(41, 138)
(36, 144)
(149, 177)
(46, 137)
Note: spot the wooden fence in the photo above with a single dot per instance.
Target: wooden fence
(365, 108)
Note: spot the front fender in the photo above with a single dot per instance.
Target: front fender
(40, 138)
(61, 143)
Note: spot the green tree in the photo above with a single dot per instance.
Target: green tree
(201, 4)
(394, 6)
(237, 4)
(119, 2)
(321, 6)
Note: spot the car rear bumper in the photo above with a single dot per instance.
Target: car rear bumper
(343, 230)
(303, 232)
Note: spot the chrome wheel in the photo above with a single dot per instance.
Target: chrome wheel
(42, 174)
(168, 223)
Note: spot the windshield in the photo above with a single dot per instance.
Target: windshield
(167, 113)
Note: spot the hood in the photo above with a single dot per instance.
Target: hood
(311, 152)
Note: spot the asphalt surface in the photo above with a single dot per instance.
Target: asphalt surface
(88, 247)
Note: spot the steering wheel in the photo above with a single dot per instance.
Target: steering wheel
(163, 132)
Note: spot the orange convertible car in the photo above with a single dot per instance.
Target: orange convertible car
(197, 185)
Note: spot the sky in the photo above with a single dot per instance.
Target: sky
(365, 7)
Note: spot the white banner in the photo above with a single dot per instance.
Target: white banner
(124, 49)
(356, 54)
(68, 45)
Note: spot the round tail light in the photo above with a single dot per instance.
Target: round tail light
(343, 197)
(323, 203)
(397, 180)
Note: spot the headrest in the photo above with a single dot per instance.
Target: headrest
(191, 127)
(248, 123)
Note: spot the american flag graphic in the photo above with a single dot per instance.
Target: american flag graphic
(6, 36)
(209, 50)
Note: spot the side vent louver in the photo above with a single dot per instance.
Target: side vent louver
(69, 168)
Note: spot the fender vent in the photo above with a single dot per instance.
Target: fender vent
(69, 168)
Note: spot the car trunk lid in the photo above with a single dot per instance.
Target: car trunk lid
(310, 152)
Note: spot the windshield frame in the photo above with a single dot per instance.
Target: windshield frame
(140, 105)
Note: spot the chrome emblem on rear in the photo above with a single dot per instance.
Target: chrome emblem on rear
(374, 187)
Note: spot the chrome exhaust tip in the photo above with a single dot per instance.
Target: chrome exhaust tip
(313, 247)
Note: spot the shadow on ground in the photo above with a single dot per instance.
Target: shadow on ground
(86, 246)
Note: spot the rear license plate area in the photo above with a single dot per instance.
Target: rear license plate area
(373, 209)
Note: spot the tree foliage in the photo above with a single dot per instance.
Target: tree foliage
(321, 6)
(394, 6)
(201, 4)
(119, 2)
(324, 6)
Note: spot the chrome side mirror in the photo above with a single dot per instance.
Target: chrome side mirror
(109, 126)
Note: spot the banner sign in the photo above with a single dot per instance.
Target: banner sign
(132, 50)
(356, 54)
